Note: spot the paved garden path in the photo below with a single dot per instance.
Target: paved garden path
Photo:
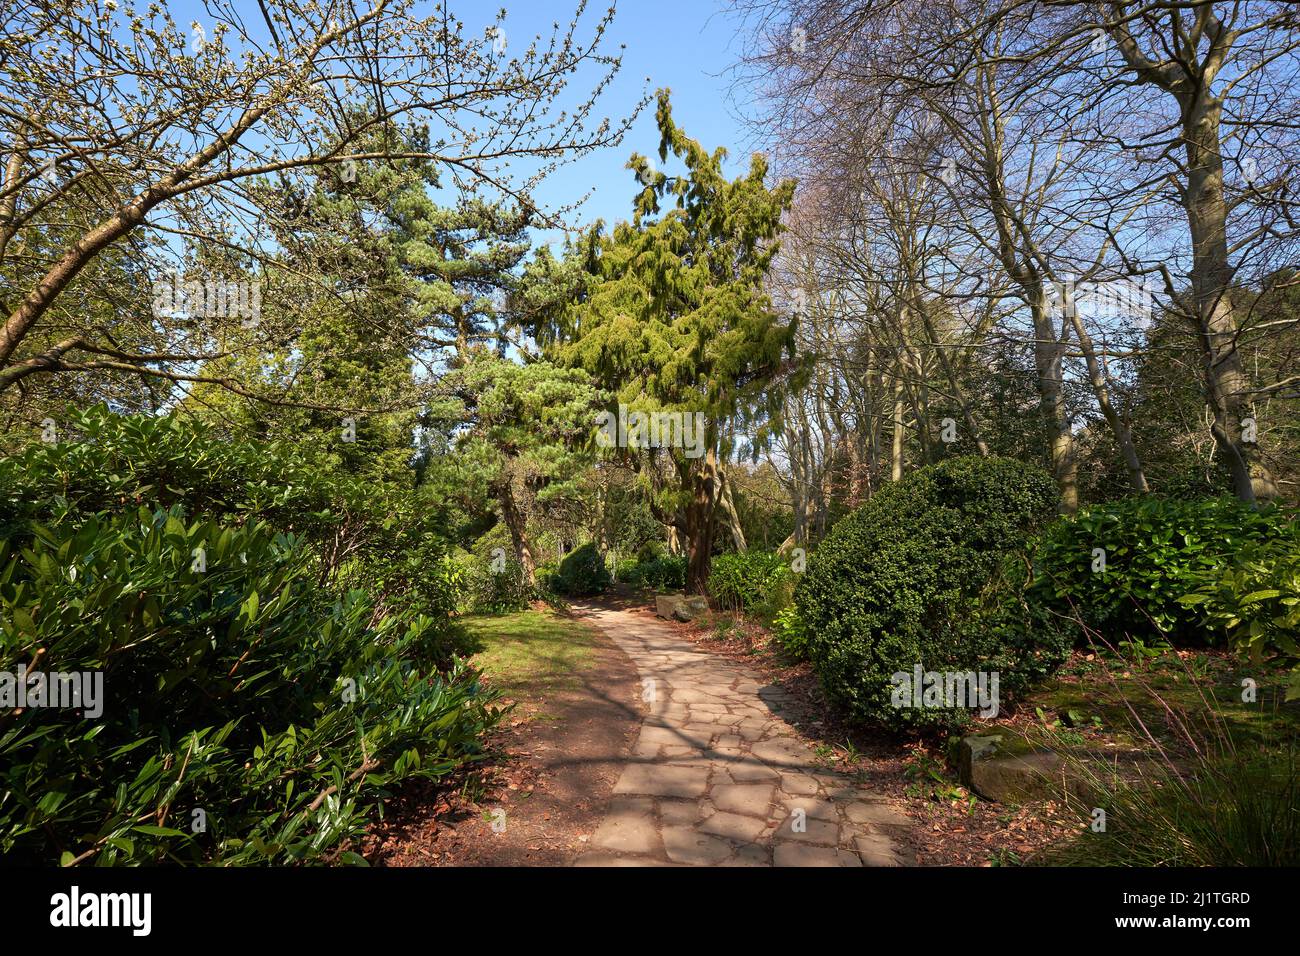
(717, 778)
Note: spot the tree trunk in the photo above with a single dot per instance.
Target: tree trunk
(1049, 356)
(517, 526)
(1137, 478)
(1225, 383)
(954, 385)
(798, 488)
(699, 522)
(896, 459)
(723, 493)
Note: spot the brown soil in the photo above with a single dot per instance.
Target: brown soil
(552, 776)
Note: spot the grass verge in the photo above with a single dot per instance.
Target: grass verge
(531, 656)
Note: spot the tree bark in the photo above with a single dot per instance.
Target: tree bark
(958, 393)
(1049, 355)
(1225, 383)
(516, 524)
(699, 522)
(1097, 377)
(896, 457)
(1189, 77)
(724, 498)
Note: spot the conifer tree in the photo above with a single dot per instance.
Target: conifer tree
(670, 315)
(381, 291)
(522, 438)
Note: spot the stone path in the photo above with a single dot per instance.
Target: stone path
(718, 778)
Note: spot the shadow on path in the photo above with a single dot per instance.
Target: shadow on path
(717, 776)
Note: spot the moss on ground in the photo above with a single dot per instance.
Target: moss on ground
(1120, 701)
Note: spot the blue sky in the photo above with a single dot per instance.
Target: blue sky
(683, 45)
(688, 46)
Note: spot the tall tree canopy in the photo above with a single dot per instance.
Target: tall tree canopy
(671, 315)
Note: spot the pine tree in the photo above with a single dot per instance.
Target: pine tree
(522, 439)
(383, 291)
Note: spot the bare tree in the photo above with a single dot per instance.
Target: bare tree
(126, 135)
(1072, 138)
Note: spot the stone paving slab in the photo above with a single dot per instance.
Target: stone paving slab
(718, 777)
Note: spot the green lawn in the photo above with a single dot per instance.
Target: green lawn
(530, 655)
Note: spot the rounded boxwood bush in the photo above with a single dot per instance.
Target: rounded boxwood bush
(925, 574)
(582, 573)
